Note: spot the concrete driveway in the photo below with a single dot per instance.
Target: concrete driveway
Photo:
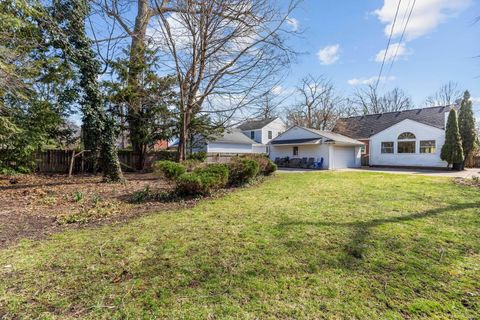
(468, 173)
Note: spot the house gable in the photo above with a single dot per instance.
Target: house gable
(296, 133)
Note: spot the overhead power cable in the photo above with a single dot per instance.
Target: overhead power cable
(388, 44)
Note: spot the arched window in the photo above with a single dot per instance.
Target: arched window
(406, 136)
(406, 143)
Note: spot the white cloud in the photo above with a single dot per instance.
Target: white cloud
(426, 15)
(475, 100)
(329, 55)
(395, 48)
(293, 23)
(277, 90)
(367, 81)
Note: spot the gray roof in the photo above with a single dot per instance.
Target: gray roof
(233, 136)
(255, 124)
(327, 135)
(336, 137)
(362, 127)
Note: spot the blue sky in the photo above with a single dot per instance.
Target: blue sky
(439, 45)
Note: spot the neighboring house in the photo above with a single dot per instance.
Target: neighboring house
(337, 151)
(262, 131)
(231, 141)
(410, 138)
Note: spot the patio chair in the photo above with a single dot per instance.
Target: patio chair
(303, 163)
(310, 162)
(318, 164)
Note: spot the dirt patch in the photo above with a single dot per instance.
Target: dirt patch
(33, 206)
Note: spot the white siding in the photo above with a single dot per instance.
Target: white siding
(277, 126)
(229, 148)
(417, 159)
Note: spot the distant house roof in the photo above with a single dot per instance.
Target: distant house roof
(255, 124)
(232, 136)
(362, 127)
(327, 136)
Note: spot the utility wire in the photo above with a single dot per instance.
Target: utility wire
(388, 44)
(401, 37)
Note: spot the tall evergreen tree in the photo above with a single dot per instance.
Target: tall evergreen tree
(466, 123)
(452, 151)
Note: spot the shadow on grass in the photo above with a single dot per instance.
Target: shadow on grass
(355, 247)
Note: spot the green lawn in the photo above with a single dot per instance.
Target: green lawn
(313, 245)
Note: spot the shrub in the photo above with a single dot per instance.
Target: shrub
(242, 171)
(171, 170)
(190, 184)
(266, 166)
(192, 164)
(203, 181)
(199, 156)
(270, 168)
(217, 171)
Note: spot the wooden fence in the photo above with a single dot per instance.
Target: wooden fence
(58, 161)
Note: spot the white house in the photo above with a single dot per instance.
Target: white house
(231, 141)
(411, 138)
(262, 131)
(336, 150)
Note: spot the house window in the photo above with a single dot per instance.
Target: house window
(363, 149)
(406, 136)
(269, 134)
(295, 151)
(427, 146)
(387, 147)
(252, 135)
(406, 143)
(406, 147)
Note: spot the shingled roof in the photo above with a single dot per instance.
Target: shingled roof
(363, 127)
(255, 124)
(232, 136)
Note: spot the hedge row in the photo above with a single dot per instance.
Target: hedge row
(196, 178)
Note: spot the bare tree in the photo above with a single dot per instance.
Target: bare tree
(446, 95)
(319, 106)
(369, 101)
(223, 53)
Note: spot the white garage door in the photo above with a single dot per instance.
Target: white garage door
(343, 157)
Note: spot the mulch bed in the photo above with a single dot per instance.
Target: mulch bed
(34, 206)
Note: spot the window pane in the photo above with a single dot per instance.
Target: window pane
(406, 147)
(427, 146)
(387, 147)
(362, 149)
(269, 134)
(406, 135)
(295, 151)
(252, 134)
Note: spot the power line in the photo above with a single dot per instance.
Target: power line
(388, 44)
(401, 37)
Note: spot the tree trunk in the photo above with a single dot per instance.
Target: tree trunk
(183, 140)
(136, 67)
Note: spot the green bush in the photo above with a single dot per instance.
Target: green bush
(192, 164)
(219, 173)
(242, 171)
(270, 168)
(199, 156)
(266, 166)
(203, 181)
(171, 170)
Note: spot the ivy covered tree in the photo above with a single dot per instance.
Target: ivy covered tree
(99, 132)
(452, 151)
(466, 123)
